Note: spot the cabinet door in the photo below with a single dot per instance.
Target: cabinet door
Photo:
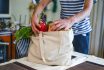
(7, 38)
(11, 47)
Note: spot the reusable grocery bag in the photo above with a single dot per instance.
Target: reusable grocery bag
(51, 48)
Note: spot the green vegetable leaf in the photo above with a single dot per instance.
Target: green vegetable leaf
(24, 32)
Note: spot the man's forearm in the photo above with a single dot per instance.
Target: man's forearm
(40, 7)
(84, 13)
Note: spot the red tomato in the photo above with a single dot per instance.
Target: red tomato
(43, 26)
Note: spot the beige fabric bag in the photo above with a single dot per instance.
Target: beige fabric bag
(51, 48)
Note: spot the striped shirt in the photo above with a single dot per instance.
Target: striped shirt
(70, 8)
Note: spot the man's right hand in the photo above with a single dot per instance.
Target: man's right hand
(35, 18)
(35, 24)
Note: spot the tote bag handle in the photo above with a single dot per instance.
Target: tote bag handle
(42, 47)
(41, 43)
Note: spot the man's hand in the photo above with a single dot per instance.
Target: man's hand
(61, 24)
(35, 18)
(35, 24)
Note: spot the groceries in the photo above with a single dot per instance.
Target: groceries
(43, 26)
(42, 22)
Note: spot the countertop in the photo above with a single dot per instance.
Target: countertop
(79, 59)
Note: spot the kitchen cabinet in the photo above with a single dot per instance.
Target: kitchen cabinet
(8, 37)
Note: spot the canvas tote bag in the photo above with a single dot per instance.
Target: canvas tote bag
(51, 48)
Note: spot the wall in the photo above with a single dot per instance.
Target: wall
(20, 8)
(96, 40)
(53, 16)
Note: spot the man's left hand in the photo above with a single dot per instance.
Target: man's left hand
(61, 24)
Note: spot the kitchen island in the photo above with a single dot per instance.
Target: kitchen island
(79, 58)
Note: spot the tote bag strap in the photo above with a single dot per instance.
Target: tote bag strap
(42, 47)
(42, 50)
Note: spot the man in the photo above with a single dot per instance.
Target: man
(74, 14)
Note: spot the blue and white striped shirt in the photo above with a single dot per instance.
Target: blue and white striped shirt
(70, 8)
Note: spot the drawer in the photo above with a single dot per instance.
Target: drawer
(5, 38)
